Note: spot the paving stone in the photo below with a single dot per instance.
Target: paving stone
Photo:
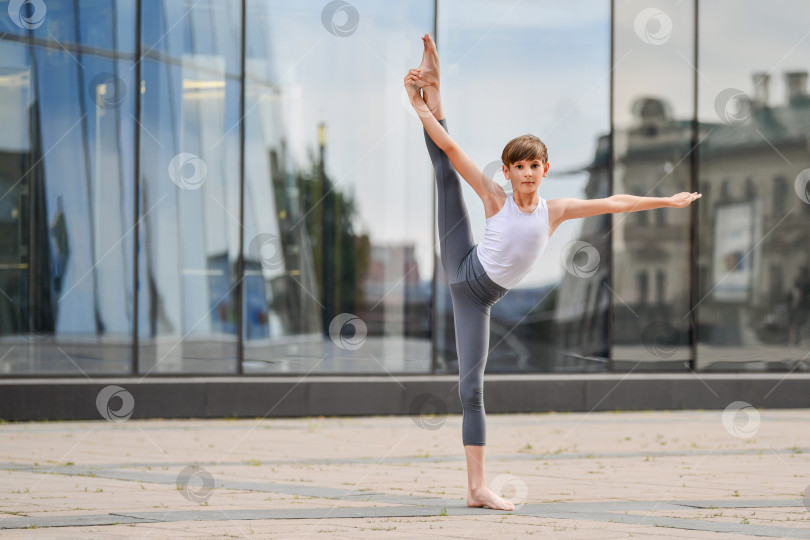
(667, 474)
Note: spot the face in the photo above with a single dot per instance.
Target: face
(526, 175)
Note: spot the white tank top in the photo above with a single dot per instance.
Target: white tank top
(513, 241)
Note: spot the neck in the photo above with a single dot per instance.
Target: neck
(525, 199)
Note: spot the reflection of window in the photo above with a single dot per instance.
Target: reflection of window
(660, 286)
(775, 285)
(705, 190)
(642, 287)
(725, 192)
(750, 188)
(779, 195)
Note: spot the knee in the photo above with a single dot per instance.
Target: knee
(472, 396)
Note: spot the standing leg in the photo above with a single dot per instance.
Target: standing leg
(472, 343)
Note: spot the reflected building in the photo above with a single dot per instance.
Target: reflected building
(757, 225)
(750, 291)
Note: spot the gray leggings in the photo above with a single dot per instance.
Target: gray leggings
(472, 291)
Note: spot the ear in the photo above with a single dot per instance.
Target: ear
(506, 172)
(545, 171)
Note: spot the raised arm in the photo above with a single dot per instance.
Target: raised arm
(484, 187)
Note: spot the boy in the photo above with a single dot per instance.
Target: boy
(519, 225)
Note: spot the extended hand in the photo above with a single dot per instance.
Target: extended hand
(682, 200)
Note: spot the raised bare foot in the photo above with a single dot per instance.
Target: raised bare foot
(429, 68)
(484, 496)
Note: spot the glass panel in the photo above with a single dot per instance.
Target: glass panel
(497, 86)
(653, 111)
(753, 304)
(66, 203)
(338, 190)
(189, 198)
(101, 26)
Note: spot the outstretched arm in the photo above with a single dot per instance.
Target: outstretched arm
(619, 204)
(485, 187)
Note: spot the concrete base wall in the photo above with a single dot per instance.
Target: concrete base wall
(213, 397)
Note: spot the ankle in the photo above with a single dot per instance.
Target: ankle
(478, 488)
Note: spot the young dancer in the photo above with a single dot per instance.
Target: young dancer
(517, 231)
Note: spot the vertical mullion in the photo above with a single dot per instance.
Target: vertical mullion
(137, 184)
(611, 150)
(240, 270)
(693, 225)
(433, 288)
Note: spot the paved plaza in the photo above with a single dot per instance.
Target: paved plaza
(667, 474)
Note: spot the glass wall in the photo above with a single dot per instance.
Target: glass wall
(189, 222)
(753, 289)
(540, 68)
(338, 193)
(174, 202)
(66, 185)
(653, 107)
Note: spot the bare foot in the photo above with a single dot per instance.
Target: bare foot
(484, 496)
(429, 68)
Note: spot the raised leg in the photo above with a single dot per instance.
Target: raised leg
(455, 231)
(429, 74)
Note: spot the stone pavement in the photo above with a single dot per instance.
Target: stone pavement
(668, 474)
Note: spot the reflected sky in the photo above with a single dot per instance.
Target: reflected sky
(353, 84)
(738, 42)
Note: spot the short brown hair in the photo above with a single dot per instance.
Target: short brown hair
(524, 147)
